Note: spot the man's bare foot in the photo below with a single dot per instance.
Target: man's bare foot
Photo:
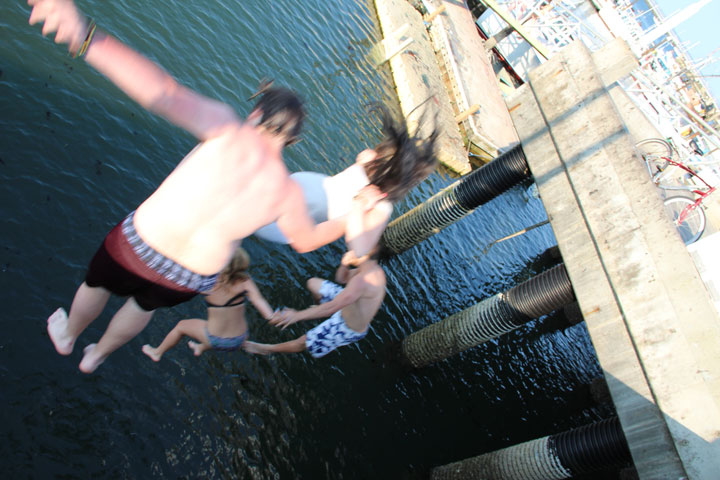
(151, 352)
(90, 362)
(57, 330)
(258, 348)
(197, 348)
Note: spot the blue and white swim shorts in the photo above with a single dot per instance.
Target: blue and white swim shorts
(332, 333)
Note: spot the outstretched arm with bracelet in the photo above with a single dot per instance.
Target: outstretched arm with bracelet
(141, 79)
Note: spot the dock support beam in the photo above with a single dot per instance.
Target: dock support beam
(490, 318)
(455, 202)
(590, 448)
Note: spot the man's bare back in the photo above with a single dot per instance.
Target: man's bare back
(222, 191)
(370, 279)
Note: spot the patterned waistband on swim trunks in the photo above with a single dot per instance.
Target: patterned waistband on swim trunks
(163, 265)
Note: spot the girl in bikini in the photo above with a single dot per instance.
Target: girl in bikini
(226, 328)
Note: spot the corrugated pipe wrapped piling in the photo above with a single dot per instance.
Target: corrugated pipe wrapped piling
(490, 318)
(590, 448)
(456, 201)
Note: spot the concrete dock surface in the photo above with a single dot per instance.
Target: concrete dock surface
(470, 78)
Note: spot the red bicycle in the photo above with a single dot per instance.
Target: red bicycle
(686, 213)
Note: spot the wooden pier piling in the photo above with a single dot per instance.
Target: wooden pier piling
(455, 202)
(489, 319)
(595, 447)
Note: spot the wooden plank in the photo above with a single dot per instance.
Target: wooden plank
(614, 61)
(471, 78)
(662, 322)
(419, 84)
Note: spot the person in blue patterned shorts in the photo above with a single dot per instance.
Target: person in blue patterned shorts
(351, 309)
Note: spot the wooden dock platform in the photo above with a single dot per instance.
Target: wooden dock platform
(652, 323)
(469, 76)
(443, 62)
(418, 79)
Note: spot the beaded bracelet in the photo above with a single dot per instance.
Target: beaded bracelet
(88, 38)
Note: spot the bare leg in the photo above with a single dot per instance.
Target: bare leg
(194, 328)
(313, 285)
(87, 305)
(57, 330)
(199, 348)
(124, 326)
(293, 346)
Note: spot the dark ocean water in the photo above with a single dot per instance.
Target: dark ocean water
(76, 156)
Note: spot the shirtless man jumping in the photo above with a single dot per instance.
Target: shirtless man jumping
(173, 246)
(351, 309)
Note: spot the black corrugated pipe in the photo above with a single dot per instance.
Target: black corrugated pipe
(492, 179)
(455, 202)
(490, 318)
(541, 294)
(591, 448)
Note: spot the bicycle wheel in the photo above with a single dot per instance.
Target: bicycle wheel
(654, 151)
(693, 225)
(654, 146)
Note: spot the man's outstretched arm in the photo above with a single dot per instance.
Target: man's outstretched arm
(349, 295)
(141, 79)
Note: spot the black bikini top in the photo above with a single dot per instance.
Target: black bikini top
(238, 299)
